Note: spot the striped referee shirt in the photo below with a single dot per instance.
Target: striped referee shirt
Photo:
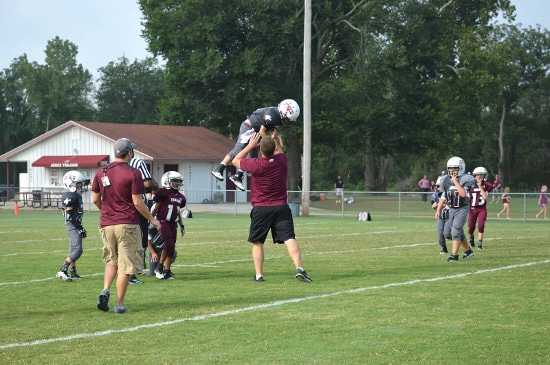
(142, 167)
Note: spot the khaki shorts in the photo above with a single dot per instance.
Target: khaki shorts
(122, 247)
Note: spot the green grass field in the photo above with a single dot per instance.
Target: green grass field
(381, 294)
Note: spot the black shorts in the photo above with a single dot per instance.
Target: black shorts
(278, 219)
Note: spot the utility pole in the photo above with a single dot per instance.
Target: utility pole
(306, 106)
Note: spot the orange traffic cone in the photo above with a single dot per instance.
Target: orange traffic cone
(16, 209)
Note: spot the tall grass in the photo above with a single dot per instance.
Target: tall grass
(381, 294)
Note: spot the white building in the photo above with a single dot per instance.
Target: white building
(86, 146)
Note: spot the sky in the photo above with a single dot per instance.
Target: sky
(105, 30)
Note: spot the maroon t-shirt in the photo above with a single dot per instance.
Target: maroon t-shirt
(117, 206)
(268, 186)
(170, 201)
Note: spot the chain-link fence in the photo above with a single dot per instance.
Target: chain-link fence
(397, 205)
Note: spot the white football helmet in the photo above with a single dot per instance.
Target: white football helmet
(439, 181)
(71, 181)
(289, 109)
(481, 171)
(172, 180)
(456, 162)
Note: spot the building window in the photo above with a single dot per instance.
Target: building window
(54, 177)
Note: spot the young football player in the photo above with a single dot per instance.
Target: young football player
(73, 210)
(442, 217)
(479, 195)
(168, 201)
(263, 121)
(456, 186)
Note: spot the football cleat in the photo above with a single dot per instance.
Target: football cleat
(134, 280)
(168, 275)
(218, 172)
(63, 275)
(74, 275)
(452, 258)
(238, 181)
(159, 274)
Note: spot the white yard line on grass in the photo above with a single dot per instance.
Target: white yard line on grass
(261, 306)
(219, 263)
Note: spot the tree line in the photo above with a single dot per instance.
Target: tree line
(398, 87)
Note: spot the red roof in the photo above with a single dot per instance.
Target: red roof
(167, 142)
(154, 142)
(72, 161)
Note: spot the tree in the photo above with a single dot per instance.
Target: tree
(390, 92)
(16, 115)
(504, 67)
(60, 89)
(219, 70)
(386, 75)
(129, 92)
(226, 59)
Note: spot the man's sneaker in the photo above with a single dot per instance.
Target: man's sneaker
(159, 274)
(452, 258)
(444, 251)
(472, 245)
(74, 275)
(121, 310)
(218, 172)
(238, 181)
(302, 276)
(468, 254)
(134, 280)
(168, 275)
(260, 279)
(63, 275)
(103, 302)
(479, 246)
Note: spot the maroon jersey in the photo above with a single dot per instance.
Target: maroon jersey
(477, 200)
(116, 183)
(170, 200)
(268, 186)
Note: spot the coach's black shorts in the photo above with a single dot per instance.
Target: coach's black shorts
(278, 219)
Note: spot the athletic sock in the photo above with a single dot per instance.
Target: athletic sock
(65, 266)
